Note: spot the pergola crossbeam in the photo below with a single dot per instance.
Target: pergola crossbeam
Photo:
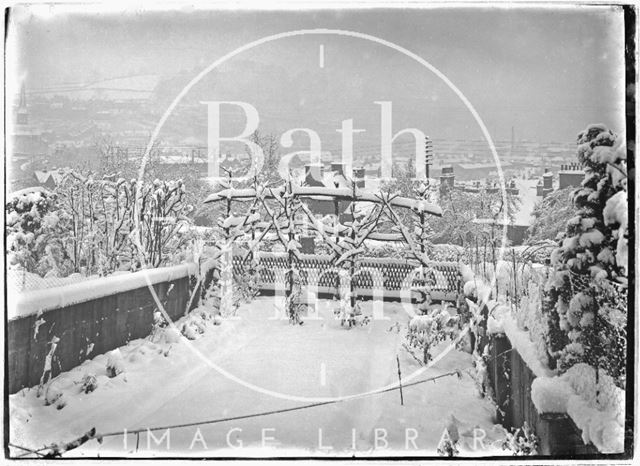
(340, 194)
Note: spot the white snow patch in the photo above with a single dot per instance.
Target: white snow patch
(597, 409)
(53, 298)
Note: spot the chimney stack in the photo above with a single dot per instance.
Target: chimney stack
(447, 177)
(358, 177)
(313, 174)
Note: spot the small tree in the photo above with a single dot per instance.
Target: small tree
(550, 216)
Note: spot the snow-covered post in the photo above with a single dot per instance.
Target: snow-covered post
(290, 252)
(352, 263)
(336, 226)
(293, 246)
(423, 193)
(226, 257)
(226, 281)
(346, 305)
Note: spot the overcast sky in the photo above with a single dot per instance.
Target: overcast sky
(547, 72)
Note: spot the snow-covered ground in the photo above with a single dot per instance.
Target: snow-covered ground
(528, 199)
(171, 381)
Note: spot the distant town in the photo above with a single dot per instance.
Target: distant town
(53, 131)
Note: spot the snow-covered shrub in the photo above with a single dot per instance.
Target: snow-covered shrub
(343, 308)
(110, 233)
(58, 388)
(159, 324)
(89, 383)
(294, 292)
(550, 216)
(115, 363)
(481, 373)
(194, 324)
(584, 299)
(447, 447)
(247, 283)
(428, 330)
(521, 441)
(530, 317)
(35, 232)
(90, 224)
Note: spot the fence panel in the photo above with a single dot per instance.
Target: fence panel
(107, 322)
(557, 434)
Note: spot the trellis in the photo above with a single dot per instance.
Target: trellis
(319, 270)
(345, 240)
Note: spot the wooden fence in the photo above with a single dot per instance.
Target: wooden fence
(511, 380)
(88, 327)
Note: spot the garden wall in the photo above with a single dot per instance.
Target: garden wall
(89, 318)
(511, 380)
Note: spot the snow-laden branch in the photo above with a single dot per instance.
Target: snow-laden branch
(407, 236)
(346, 194)
(322, 230)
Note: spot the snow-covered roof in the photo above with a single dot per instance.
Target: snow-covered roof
(41, 176)
(476, 166)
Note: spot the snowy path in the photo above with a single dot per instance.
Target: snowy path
(317, 359)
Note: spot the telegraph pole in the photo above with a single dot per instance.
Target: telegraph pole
(428, 155)
(428, 160)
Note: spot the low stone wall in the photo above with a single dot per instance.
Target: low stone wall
(88, 319)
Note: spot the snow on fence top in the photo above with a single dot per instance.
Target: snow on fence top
(596, 406)
(500, 320)
(53, 298)
(362, 260)
(321, 192)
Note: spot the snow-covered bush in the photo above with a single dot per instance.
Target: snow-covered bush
(450, 438)
(529, 315)
(521, 441)
(194, 324)
(481, 373)
(35, 234)
(90, 224)
(294, 292)
(115, 363)
(550, 216)
(585, 296)
(89, 383)
(428, 330)
(246, 283)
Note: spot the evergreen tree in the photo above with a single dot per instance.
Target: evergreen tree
(585, 313)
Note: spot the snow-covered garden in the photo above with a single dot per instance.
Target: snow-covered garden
(257, 364)
(253, 370)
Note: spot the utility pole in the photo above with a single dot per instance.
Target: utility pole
(428, 155)
(428, 160)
